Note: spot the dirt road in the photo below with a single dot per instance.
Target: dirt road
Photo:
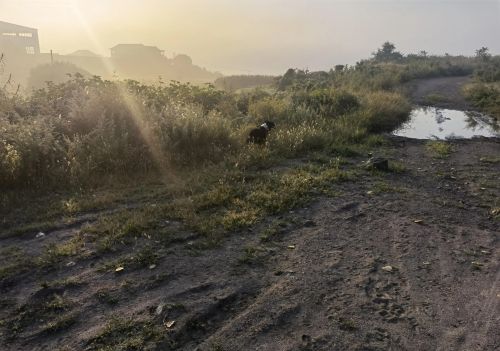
(443, 92)
(404, 260)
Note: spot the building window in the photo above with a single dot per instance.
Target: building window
(27, 35)
(9, 34)
(30, 50)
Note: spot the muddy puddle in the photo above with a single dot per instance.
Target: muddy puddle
(436, 123)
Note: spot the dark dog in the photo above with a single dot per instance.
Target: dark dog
(259, 135)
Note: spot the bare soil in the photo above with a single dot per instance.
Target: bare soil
(443, 92)
(396, 261)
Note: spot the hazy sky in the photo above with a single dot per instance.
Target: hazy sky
(262, 36)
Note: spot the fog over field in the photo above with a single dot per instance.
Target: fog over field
(262, 36)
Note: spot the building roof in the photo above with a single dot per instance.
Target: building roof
(15, 26)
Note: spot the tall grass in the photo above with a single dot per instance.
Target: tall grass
(484, 93)
(78, 132)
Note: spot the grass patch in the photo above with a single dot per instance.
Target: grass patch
(439, 149)
(49, 309)
(235, 200)
(60, 323)
(143, 258)
(107, 297)
(14, 262)
(273, 230)
(127, 335)
(397, 167)
(435, 98)
(381, 187)
(347, 324)
(490, 159)
(251, 255)
(55, 253)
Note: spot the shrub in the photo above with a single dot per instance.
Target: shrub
(485, 97)
(327, 103)
(270, 108)
(384, 111)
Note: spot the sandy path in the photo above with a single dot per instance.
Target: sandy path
(447, 89)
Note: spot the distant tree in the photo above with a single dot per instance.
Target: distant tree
(423, 53)
(387, 53)
(339, 68)
(183, 60)
(287, 79)
(483, 54)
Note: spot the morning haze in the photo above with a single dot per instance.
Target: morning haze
(261, 36)
(241, 175)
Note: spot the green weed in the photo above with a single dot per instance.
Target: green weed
(439, 149)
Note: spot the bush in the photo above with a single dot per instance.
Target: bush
(327, 103)
(485, 97)
(90, 128)
(270, 108)
(384, 111)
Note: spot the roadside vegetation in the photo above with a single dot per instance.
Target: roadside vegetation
(137, 168)
(484, 92)
(69, 140)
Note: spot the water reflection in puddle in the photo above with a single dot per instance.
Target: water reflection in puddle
(435, 123)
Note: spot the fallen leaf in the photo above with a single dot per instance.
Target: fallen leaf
(387, 268)
(477, 264)
(169, 324)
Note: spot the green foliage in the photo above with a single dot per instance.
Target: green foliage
(127, 335)
(75, 132)
(488, 71)
(439, 149)
(384, 111)
(387, 53)
(78, 132)
(326, 102)
(485, 97)
(483, 54)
